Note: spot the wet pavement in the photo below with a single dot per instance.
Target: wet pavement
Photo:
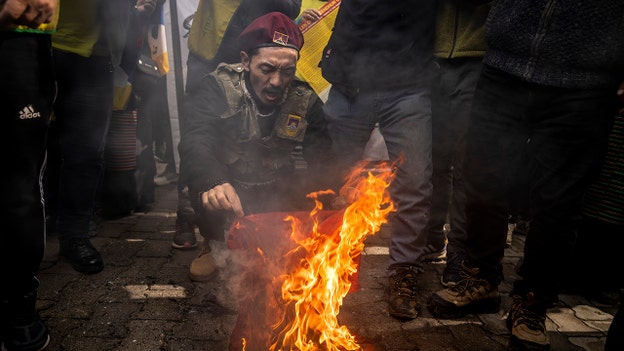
(143, 300)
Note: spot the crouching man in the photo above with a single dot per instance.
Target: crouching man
(256, 139)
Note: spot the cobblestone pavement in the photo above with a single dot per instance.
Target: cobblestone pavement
(143, 300)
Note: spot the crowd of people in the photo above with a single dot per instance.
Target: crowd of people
(489, 110)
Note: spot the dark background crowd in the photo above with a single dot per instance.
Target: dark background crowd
(498, 118)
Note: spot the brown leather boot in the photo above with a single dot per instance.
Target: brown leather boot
(204, 267)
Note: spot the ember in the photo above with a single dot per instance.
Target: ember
(300, 304)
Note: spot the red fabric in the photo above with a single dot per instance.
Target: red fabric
(260, 307)
(272, 29)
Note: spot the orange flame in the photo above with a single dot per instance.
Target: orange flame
(313, 293)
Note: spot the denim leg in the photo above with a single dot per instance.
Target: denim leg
(404, 117)
(350, 124)
(405, 123)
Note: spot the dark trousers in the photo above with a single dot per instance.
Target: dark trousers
(26, 96)
(566, 130)
(451, 101)
(615, 336)
(82, 111)
(197, 68)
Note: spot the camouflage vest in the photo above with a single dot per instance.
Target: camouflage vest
(252, 157)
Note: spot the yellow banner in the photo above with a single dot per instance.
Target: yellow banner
(315, 35)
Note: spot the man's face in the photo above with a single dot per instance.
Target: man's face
(270, 72)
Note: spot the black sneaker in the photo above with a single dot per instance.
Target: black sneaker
(469, 295)
(83, 257)
(403, 289)
(527, 323)
(452, 272)
(184, 236)
(22, 329)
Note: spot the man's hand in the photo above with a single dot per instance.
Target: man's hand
(223, 197)
(311, 15)
(30, 13)
(348, 195)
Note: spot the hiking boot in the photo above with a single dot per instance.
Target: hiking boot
(22, 328)
(204, 267)
(433, 253)
(184, 236)
(82, 255)
(527, 323)
(402, 301)
(452, 272)
(469, 295)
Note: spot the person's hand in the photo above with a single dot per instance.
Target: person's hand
(31, 13)
(348, 195)
(311, 15)
(223, 197)
(146, 7)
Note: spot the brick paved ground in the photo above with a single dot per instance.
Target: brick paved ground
(144, 301)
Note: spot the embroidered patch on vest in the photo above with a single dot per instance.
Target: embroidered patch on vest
(292, 124)
(280, 38)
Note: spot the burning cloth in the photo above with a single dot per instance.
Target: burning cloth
(296, 269)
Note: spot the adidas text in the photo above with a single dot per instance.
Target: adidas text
(29, 112)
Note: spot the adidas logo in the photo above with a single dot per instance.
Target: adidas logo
(29, 112)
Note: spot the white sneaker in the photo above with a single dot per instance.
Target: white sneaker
(165, 178)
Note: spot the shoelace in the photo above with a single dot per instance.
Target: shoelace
(466, 283)
(531, 319)
(406, 285)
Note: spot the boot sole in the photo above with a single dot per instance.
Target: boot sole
(517, 344)
(203, 278)
(184, 247)
(404, 315)
(444, 309)
(40, 348)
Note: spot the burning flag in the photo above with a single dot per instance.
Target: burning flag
(299, 266)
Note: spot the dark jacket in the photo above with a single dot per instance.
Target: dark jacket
(377, 44)
(228, 141)
(562, 43)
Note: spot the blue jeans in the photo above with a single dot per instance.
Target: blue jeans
(567, 131)
(83, 110)
(404, 117)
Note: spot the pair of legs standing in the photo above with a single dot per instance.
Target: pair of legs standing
(404, 119)
(566, 131)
